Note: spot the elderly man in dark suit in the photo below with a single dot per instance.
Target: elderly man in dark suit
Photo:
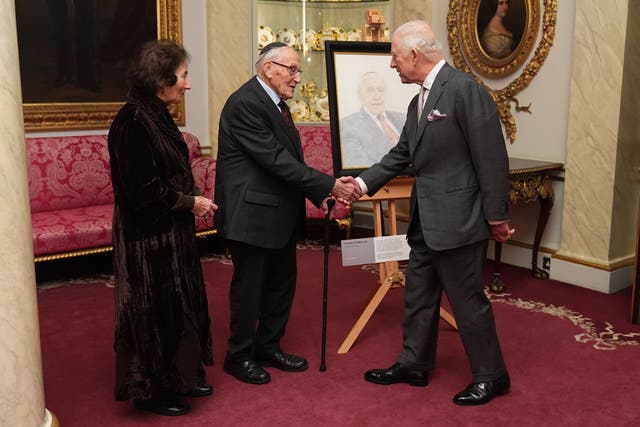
(261, 185)
(454, 142)
(369, 133)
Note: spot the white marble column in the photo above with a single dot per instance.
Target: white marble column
(21, 385)
(602, 167)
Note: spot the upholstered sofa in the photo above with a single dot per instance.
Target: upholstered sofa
(71, 195)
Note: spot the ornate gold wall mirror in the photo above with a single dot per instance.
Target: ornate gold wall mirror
(494, 39)
(74, 78)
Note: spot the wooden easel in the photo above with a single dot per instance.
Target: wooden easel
(388, 273)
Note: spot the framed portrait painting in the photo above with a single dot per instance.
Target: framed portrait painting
(367, 103)
(495, 39)
(499, 35)
(74, 55)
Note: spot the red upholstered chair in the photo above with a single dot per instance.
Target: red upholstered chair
(316, 145)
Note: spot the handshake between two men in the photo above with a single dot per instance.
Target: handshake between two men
(346, 190)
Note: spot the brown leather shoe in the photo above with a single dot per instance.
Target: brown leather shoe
(481, 393)
(398, 373)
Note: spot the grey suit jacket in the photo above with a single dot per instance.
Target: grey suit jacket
(362, 141)
(261, 177)
(459, 159)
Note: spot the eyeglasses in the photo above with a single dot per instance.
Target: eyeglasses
(293, 70)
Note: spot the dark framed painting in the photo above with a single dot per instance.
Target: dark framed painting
(74, 54)
(367, 103)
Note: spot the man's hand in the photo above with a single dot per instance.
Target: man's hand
(346, 190)
(203, 207)
(325, 205)
(501, 232)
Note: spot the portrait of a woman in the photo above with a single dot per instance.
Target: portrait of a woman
(496, 39)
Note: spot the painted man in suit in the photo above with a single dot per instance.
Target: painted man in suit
(460, 199)
(368, 134)
(261, 185)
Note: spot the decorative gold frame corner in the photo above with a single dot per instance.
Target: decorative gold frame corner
(469, 56)
(98, 115)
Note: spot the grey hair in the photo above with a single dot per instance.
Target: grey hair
(267, 53)
(419, 35)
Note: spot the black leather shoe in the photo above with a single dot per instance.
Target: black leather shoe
(284, 362)
(397, 373)
(162, 406)
(481, 393)
(247, 371)
(200, 391)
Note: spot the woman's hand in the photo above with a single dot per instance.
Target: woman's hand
(203, 207)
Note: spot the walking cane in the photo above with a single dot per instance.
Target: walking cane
(325, 288)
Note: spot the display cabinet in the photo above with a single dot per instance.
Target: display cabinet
(305, 25)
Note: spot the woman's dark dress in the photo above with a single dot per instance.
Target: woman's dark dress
(162, 325)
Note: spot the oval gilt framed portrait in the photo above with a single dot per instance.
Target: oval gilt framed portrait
(497, 36)
(494, 38)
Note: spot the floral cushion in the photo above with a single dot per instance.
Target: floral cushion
(68, 172)
(71, 229)
(316, 145)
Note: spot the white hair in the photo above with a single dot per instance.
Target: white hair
(419, 35)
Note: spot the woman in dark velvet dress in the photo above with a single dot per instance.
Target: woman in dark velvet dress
(162, 325)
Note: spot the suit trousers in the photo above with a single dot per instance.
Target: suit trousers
(262, 290)
(458, 272)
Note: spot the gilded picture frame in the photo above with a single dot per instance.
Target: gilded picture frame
(497, 36)
(465, 26)
(65, 101)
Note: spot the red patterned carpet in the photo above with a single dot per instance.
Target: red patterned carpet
(573, 357)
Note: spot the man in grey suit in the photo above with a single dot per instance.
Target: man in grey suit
(460, 198)
(368, 134)
(261, 185)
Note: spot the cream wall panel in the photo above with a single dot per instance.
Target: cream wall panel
(409, 10)
(592, 137)
(229, 54)
(194, 38)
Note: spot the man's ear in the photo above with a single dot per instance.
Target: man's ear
(415, 54)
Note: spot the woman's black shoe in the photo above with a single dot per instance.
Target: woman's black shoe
(200, 391)
(165, 406)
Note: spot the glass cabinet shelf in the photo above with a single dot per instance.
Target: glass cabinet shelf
(305, 25)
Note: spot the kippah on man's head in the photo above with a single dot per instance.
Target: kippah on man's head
(271, 46)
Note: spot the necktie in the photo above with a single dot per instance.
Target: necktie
(286, 113)
(421, 99)
(388, 130)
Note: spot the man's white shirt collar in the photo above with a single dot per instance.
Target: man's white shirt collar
(431, 77)
(272, 94)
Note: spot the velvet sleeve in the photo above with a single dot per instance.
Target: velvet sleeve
(142, 189)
